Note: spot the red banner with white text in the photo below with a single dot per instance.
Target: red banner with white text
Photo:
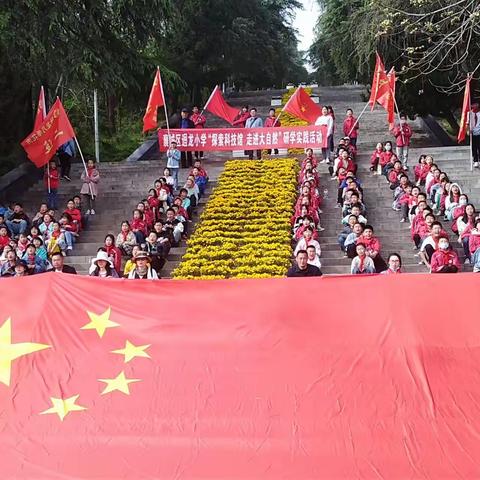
(239, 379)
(214, 139)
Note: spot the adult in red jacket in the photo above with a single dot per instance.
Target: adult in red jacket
(444, 260)
(351, 127)
(199, 121)
(270, 122)
(402, 133)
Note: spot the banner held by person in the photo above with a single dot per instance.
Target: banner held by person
(93, 385)
(56, 129)
(215, 139)
(464, 120)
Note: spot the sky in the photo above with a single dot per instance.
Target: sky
(305, 21)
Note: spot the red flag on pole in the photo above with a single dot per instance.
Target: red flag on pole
(462, 132)
(380, 85)
(156, 99)
(41, 110)
(389, 102)
(217, 105)
(53, 132)
(300, 105)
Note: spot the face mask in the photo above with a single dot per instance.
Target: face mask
(388, 148)
(463, 201)
(443, 245)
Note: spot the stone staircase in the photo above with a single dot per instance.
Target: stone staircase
(394, 236)
(122, 186)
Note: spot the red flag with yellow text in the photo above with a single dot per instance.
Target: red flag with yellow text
(300, 105)
(238, 379)
(56, 129)
(462, 132)
(41, 110)
(156, 99)
(380, 85)
(217, 105)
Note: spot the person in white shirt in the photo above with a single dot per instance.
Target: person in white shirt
(475, 129)
(254, 122)
(312, 257)
(307, 240)
(326, 119)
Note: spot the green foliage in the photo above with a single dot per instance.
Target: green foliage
(73, 47)
(431, 43)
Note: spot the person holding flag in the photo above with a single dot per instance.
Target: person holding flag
(351, 127)
(254, 122)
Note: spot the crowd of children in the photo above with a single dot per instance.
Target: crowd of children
(159, 222)
(431, 204)
(27, 246)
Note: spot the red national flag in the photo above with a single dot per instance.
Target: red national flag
(41, 110)
(300, 105)
(53, 132)
(156, 99)
(96, 385)
(462, 132)
(380, 85)
(217, 105)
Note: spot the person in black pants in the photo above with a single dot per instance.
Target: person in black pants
(185, 122)
(66, 153)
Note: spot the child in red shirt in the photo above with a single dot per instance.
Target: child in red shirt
(52, 180)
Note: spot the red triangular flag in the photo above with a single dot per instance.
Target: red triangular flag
(217, 105)
(462, 132)
(156, 99)
(41, 110)
(300, 105)
(53, 132)
(380, 84)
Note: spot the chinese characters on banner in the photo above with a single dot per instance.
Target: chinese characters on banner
(208, 139)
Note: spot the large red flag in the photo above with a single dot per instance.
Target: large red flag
(462, 132)
(217, 105)
(380, 85)
(41, 110)
(156, 99)
(300, 105)
(97, 382)
(53, 132)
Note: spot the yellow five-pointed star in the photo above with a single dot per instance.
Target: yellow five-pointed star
(63, 406)
(119, 383)
(100, 322)
(10, 351)
(131, 351)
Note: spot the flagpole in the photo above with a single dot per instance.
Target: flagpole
(164, 105)
(358, 118)
(44, 112)
(209, 98)
(84, 164)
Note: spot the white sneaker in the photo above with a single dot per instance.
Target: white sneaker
(475, 165)
(69, 247)
(467, 261)
(92, 212)
(87, 212)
